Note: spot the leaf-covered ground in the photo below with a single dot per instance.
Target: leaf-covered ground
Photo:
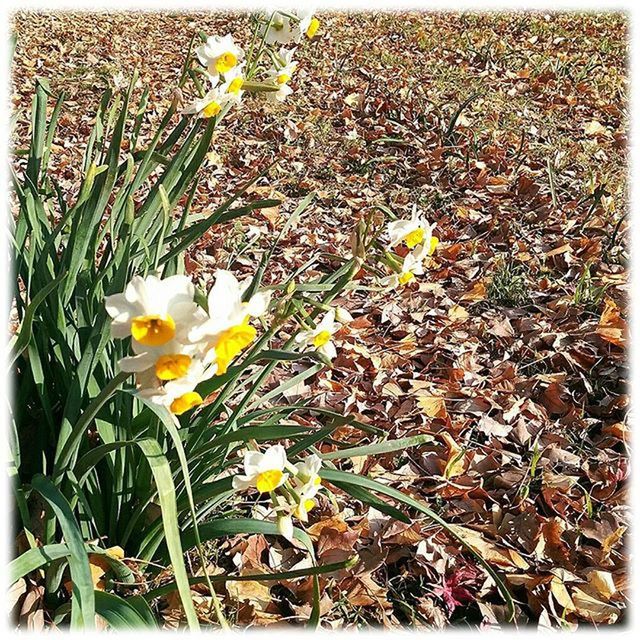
(510, 131)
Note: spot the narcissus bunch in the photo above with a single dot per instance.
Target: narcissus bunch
(292, 488)
(229, 73)
(176, 344)
(416, 234)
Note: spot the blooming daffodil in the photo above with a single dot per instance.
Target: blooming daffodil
(413, 232)
(227, 329)
(219, 54)
(264, 471)
(211, 104)
(320, 337)
(279, 28)
(153, 311)
(233, 81)
(412, 266)
(307, 484)
(308, 24)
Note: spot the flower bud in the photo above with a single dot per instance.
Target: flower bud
(285, 527)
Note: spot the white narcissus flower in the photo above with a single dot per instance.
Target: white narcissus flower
(281, 94)
(412, 266)
(307, 485)
(211, 104)
(227, 330)
(308, 25)
(264, 471)
(307, 470)
(232, 85)
(281, 75)
(281, 29)
(285, 526)
(172, 378)
(153, 311)
(413, 232)
(280, 513)
(320, 337)
(219, 55)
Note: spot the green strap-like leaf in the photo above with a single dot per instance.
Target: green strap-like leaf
(22, 341)
(83, 600)
(377, 448)
(258, 577)
(34, 559)
(124, 614)
(167, 499)
(346, 480)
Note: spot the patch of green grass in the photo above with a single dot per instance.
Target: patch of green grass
(587, 293)
(509, 285)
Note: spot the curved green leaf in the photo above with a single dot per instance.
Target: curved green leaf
(378, 447)
(346, 480)
(121, 613)
(83, 600)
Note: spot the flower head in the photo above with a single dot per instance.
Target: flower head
(280, 28)
(413, 232)
(170, 379)
(320, 337)
(307, 484)
(232, 85)
(219, 54)
(211, 104)
(227, 329)
(308, 25)
(153, 311)
(412, 266)
(264, 471)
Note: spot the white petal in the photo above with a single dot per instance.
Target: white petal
(224, 295)
(242, 482)
(328, 350)
(285, 527)
(258, 304)
(275, 457)
(252, 462)
(137, 363)
(327, 323)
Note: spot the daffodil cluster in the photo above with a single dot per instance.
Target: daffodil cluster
(176, 344)
(229, 73)
(293, 488)
(416, 234)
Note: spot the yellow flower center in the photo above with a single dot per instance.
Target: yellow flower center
(283, 78)
(212, 109)
(317, 480)
(433, 245)
(172, 366)
(153, 331)
(185, 402)
(313, 27)
(226, 62)
(235, 85)
(321, 339)
(268, 480)
(309, 504)
(406, 277)
(231, 342)
(414, 238)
